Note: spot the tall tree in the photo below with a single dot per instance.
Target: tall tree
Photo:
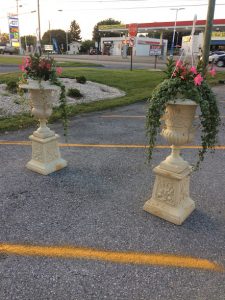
(59, 35)
(86, 45)
(28, 40)
(96, 34)
(75, 32)
(4, 37)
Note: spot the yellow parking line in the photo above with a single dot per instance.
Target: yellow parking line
(166, 260)
(133, 116)
(122, 116)
(27, 143)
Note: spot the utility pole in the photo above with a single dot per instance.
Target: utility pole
(17, 12)
(39, 28)
(207, 34)
(174, 29)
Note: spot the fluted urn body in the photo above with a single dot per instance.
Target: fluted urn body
(41, 99)
(178, 131)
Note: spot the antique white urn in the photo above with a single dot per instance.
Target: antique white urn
(170, 198)
(46, 156)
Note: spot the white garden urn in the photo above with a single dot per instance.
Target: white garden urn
(46, 156)
(170, 198)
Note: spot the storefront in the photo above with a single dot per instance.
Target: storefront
(142, 46)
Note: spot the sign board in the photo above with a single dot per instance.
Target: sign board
(111, 27)
(133, 29)
(13, 29)
(125, 42)
(155, 50)
(218, 34)
(131, 42)
(186, 39)
(48, 47)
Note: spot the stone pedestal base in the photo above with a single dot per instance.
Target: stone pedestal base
(170, 198)
(45, 155)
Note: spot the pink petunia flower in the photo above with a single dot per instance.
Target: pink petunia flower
(193, 70)
(179, 63)
(59, 70)
(212, 72)
(198, 79)
(22, 68)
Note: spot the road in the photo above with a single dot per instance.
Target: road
(82, 234)
(109, 62)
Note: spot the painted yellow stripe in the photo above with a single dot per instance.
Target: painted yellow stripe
(166, 260)
(133, 116)
(22, 143)
(27, 143)
(122, 116)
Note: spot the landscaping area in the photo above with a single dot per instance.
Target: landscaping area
(137, 85)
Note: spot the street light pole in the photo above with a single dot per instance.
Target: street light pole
(67, 42)
(39, 28)
(208, 33)
(174, 29)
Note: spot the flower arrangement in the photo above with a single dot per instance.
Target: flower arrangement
(44, 69)
(184, 82)
(40, 68)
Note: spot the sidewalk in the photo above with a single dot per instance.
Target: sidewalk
(96, 203)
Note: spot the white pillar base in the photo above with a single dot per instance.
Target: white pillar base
(170, 198)
(46, 156)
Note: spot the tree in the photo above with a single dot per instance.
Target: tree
(28, 40)
(75, 32)
(57, 34)
(86, 45)
(96, 34)
(4, 37)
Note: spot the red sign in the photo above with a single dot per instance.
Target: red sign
(133, 29)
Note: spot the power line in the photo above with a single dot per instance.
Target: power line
(109, 1)
(145, 7)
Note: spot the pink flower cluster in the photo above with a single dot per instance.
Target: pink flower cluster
(38, 67)
(187, 73)
(25, 64)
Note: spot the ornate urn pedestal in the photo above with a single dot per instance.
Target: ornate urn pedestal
(46, 156)
(170, 198)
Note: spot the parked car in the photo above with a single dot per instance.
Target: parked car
(214, 55)
(94, 51)
(220, 61)
(8, 49)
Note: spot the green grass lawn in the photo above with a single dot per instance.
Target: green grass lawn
(138, 85)
(12, 60)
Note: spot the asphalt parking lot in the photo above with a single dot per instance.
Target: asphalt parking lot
(81, 233)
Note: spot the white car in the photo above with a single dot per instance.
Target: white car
(215, 55)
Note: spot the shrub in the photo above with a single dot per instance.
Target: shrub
(81, 79)
(12, 86)
(74, 93)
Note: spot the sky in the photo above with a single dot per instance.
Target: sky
(58, 14)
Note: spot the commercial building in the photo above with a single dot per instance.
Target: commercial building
(160, 28)
(142, 46)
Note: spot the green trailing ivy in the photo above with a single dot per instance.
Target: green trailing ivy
(184, 82)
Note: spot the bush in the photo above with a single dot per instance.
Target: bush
(74, 93)
(12, 86)
(81, 79)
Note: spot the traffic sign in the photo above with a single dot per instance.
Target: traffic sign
(131, 42)
(133, 29)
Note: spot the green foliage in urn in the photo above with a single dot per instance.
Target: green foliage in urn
(184, 82)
